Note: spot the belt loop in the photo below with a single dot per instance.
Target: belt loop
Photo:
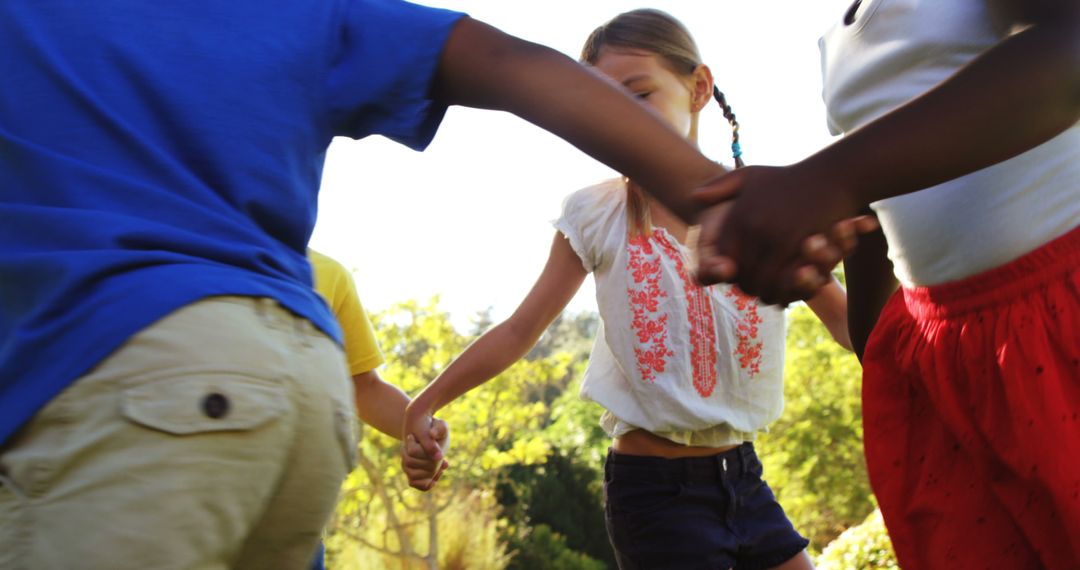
(256, 303)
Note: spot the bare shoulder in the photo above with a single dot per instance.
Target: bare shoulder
(596, 194)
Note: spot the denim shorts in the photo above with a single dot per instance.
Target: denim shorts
(711, 512)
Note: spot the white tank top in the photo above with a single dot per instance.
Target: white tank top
(896, 50)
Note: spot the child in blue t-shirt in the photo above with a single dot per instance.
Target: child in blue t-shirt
(159, 336)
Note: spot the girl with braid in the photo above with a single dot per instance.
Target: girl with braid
(687, 375)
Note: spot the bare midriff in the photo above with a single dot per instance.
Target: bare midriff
(641, 442)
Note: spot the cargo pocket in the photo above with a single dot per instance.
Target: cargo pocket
(204, 403)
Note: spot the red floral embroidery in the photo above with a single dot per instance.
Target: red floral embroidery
(645, 295)
(703, 353)
(651, 329)
(748, 351)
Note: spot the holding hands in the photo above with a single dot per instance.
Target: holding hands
(425, 439)
(775, 232)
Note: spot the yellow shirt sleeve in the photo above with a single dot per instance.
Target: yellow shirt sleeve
(336, 285)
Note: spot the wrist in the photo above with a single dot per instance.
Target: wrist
(420, 406)
(830, 180)
(707, 173)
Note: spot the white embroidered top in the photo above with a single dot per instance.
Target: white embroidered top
(698, 366)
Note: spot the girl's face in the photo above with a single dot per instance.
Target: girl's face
(677, 99)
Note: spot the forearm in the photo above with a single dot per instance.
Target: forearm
(379, 404)
(492, 353)
(870, 283)
(1012, 98)
(483, 67)
(830, 305)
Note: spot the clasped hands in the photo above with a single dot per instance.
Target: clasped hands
(423, 450)
(776, 232)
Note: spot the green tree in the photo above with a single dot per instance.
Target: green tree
(813, 454)
(547, 549)
(563, 497)
(558, 504)
(570, 333)
(862, 547)
(493, 426)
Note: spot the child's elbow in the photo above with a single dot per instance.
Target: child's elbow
(366, 381)
(844, 340)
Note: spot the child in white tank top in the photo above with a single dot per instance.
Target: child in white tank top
(961, 131)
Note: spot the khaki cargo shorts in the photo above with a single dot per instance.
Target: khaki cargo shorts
(216, 438)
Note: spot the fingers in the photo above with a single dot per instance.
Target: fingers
(844, 237)
(440, 432)
(713, 264)
(715, 269)
(421, 429)
(824, 252)
(723, 188)
(866, 224)
(421, 470)
(804, 283)
(759, 241)
(422, 452)
(442, 469)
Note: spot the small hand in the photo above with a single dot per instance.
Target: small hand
(422, 454)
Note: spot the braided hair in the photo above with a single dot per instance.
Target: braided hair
(736, 150)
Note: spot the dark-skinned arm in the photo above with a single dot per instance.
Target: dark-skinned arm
(1020, 93)
(485, 68)
(870, 283)
(1014, 97)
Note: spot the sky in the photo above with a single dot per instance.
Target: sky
(469, 219)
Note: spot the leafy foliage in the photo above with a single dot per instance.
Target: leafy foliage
(564, 495)
(525, 486)
(491, 427)
(541, 547)
(813, 454)
(862, 547)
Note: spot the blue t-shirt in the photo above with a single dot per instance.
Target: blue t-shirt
(152, 154)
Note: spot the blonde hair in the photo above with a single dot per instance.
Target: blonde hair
(661, 34)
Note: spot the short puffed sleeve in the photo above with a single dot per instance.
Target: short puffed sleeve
(593, 221)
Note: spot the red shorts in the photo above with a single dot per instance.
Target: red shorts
(971, 407)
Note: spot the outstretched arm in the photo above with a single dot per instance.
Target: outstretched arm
(830, 304)
(382, 406)
(483, 67)
(495, 351)
(1017, 95)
